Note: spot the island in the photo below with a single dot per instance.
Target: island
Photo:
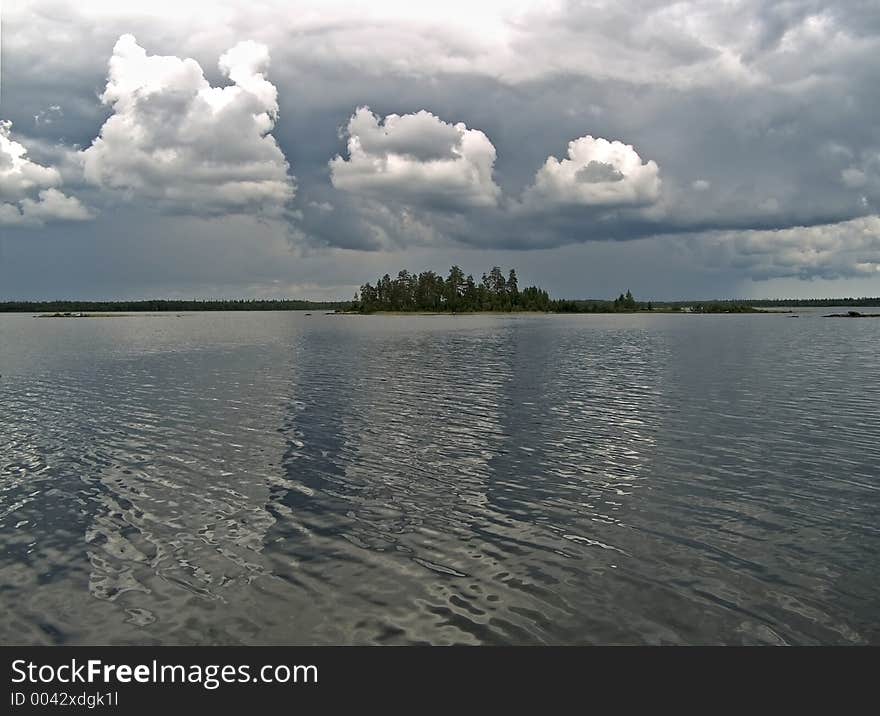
(852, 314)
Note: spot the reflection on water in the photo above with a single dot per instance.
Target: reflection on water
(278, 478)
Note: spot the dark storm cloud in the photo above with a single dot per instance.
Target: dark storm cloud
(760, 117)
(779, 150)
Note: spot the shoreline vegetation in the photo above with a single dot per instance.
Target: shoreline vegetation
(428, 293)
(852, 314)
(72, 309)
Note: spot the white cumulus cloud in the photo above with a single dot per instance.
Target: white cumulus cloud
(191, 147)
(28, 190)
(596, 173)
(416, 159)
(843, 249)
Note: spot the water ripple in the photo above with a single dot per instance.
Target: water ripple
(268, 478)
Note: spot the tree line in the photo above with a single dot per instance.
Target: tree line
(430, 292)
(160, 306)
(457, 293)
(818, 302)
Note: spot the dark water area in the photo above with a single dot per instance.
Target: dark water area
(277, 478)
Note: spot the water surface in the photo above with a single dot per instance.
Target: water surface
(264, 478)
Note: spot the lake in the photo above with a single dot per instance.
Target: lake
(282, 478)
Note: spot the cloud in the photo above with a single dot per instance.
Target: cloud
(847, 249)
(864, 178)
(761, 116)
(190, 147)
(416, 180)
(416, 159)
(597, 173)
(28, 193)
(853, 178)
(49, 115)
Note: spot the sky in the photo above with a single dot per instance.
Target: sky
(682, 150)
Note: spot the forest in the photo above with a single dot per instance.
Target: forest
(457, 293)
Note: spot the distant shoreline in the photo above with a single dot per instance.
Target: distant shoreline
(659, 311)
(645, 311)
(92, 309)
(167, 306)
